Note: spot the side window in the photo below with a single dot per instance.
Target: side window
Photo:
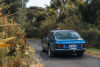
(51, 36)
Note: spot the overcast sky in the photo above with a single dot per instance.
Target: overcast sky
(39, 3)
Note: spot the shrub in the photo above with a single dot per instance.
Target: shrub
(92, 37)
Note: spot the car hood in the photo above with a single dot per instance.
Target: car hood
(69, 41)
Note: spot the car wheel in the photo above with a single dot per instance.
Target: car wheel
(50, 53)
(43, 50)
(80, 54)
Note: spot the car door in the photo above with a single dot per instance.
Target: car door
(51, 38)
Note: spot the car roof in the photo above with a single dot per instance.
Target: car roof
(54, 31)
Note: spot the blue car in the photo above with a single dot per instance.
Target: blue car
(64, 42)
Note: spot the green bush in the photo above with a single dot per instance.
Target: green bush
(92, 37)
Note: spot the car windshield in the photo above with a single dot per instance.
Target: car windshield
(67, 35)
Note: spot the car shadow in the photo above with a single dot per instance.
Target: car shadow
(45, 56)
(66, 56)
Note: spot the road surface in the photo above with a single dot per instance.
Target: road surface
(63, 60)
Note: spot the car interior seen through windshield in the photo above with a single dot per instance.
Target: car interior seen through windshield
(69, 35)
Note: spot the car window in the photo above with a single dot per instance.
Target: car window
(67, 35)
(51, 36)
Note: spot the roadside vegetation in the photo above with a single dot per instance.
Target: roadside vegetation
(79, 15)
(93, 52)
(14, 50)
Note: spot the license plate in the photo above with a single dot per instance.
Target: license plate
(73, 46)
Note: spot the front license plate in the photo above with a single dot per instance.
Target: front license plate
(73, 46)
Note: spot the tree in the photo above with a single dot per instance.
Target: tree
(90, 12)
(12, 7)
(35, 15)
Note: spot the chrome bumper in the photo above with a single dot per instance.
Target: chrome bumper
(70, 49)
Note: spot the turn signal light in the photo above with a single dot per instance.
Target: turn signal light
(60, 46)
(84, 45)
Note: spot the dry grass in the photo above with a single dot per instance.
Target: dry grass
(94, 52)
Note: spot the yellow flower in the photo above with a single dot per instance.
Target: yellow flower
(0, 8)
(28, 47)
(69, 6)
(81, 2)
(33, 51)
(26, 53)
(51, 10)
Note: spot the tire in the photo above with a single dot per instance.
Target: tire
(43, 50)
(50, 53)
(80, 54)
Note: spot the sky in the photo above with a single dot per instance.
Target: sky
(39, 3)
